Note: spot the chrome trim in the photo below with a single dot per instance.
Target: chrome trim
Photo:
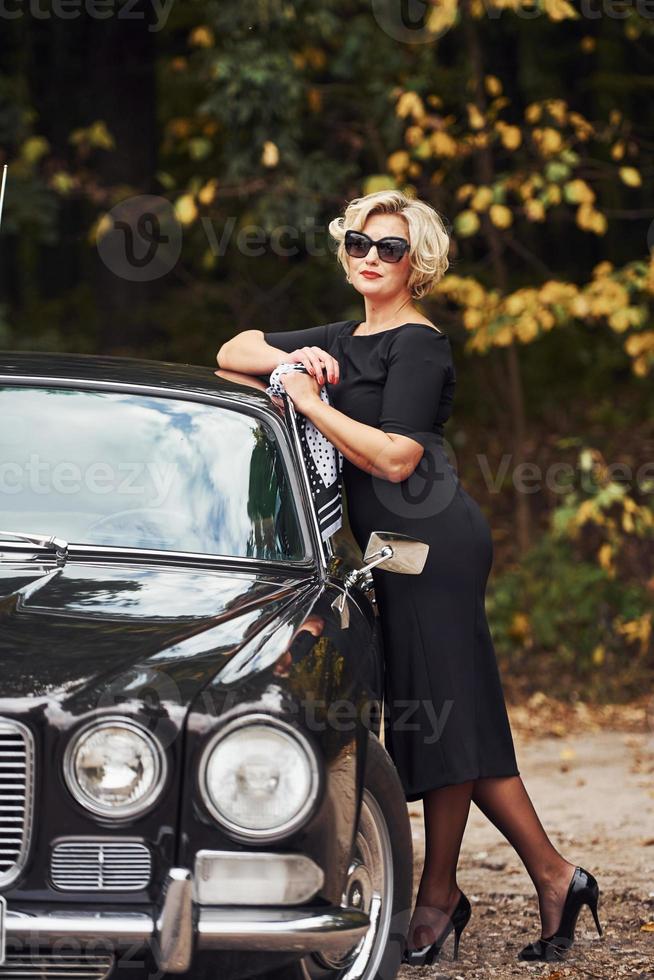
(174, 929)
(303, 930)
(222, 401)
(235, 830)
(50, 966)
(139, 807)
(334, 930)
(120, 930)
(100, 864)
(297, 444)
(16, 808)
(185, 558)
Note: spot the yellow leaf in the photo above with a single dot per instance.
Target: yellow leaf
(493, 85)
(100, 228)
(533, 112)
(34, 148)
(441, 16)
(647, 927)
(398, 162)
(96, 134)
(598, 654)
(482, 199)
(560, 10)
(548, 140)
(472, 319)
(605, 555)
(466, 223)
(379, 182)
(62, 182)
(590, 219)
(202, 37)
(410, 104)
(464, 191)
(526, 328)
(519, 625)
(628, 525)
(443, 145)
(186, 209)
(500, 215)
(511, 137)
(475, 118)
(208, 192)
(414, 135)
(208, 260)
(630, 176)
(578, 192)
(270, 154)
(535, 210)
(617, 150)
(558, 109)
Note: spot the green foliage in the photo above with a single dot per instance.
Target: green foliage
(555, 621)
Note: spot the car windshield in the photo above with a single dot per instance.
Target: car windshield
(138, 471)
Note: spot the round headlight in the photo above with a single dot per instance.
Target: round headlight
(115, 768)
(259, 777)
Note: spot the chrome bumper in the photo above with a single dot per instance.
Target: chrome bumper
(183, 927)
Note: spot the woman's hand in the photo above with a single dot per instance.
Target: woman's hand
(318, 363)
(301, 388)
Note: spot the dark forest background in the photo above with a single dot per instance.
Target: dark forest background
(249, 126)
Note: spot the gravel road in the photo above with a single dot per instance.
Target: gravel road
(590, 774)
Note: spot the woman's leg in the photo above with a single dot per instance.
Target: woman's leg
(504, 800)
(506, 803)
(446, 813)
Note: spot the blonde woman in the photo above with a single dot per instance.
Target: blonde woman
(391, 380)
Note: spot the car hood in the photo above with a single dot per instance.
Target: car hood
(86, 635)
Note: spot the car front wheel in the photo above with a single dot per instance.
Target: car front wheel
(380, 879)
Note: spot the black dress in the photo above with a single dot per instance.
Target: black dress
(444, 712)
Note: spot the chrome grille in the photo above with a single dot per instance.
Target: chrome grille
(16, 790)
(56, 965)
(100, 865)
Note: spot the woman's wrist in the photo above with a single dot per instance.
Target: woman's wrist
(307, 404)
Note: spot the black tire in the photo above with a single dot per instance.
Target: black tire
(384, 827)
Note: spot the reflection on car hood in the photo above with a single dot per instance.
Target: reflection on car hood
(76, 632)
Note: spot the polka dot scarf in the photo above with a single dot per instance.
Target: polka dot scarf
(323, 460)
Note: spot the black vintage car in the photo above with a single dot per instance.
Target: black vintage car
(191, 774)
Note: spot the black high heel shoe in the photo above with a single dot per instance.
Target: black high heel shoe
(583, 890)
(428, 954)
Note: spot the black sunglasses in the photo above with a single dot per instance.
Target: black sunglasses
(389, 249)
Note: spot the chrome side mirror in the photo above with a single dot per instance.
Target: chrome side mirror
(394, 552)
(407, 555)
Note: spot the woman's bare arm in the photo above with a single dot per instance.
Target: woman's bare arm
(388, 455)
(249, 353)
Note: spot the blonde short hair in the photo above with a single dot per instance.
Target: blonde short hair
(428, 237)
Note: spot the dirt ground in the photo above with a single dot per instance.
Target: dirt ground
(590, 774)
